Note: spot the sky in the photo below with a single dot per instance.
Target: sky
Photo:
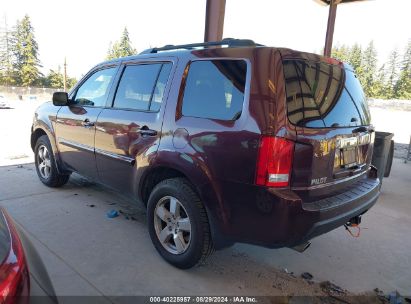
(82, 31)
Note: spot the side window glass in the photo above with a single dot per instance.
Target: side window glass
(93, 92)
(136, 86)
(215, 89)
(158, 93)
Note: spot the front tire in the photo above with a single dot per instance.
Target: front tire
(178, 224)
(45, 164)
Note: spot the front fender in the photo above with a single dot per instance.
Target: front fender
(44, 123)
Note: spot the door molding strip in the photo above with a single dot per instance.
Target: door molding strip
(131, 161)
(75, 145)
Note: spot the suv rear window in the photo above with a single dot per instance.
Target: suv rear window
(215, 89)
(321, 95)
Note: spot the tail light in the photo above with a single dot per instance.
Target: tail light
(14, 276)
(274, 162)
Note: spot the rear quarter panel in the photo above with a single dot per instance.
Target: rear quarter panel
(219, 157)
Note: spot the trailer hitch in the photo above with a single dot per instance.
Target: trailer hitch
(354, 223)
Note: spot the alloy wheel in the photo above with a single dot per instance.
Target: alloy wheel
(172, 225)
(44, 162)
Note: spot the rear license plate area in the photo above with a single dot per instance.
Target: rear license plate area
(349, 157)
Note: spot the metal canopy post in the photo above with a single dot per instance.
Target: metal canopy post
(332, 13)
(214, 20)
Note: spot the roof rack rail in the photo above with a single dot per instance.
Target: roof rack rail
(230, 42)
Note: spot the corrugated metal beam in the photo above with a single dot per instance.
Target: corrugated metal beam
(214, 20)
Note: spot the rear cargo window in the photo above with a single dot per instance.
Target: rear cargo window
(321, 95)
(215, 89)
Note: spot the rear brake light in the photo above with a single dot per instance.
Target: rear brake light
(274, 163)
(14, 277)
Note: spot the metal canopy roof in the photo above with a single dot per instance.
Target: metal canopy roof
(327, 2)
(215, 11)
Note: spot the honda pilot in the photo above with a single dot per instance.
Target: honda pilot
(223, 142)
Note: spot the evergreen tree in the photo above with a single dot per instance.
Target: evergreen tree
(55, 79)
(379, 89)
(7, 74)
(341, 53)
(392, 74)
(403, 85)
(121, 48)
(369, 69)
(26, 51)
(355, 60)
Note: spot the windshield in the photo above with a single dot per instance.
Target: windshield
(321, 95)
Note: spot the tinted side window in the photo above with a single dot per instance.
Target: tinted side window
(94, 91)
(317, 95)
(142, 86)
(215, 89)
(136, 86)
(161, 83)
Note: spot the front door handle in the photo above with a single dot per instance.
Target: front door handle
(86, 123)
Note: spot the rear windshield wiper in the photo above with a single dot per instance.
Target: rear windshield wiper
(360, 129)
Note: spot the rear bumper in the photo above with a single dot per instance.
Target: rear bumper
(338, 210)
(277, 218)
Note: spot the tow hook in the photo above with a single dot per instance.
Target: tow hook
(354, 223)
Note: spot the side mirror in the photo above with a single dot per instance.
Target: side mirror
(60, 99)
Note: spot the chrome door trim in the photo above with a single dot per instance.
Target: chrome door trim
(75, 145)
(131, 161)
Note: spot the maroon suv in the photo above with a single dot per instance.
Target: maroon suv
(223, 142)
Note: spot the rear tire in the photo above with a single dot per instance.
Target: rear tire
(178, 224)
(45, 164)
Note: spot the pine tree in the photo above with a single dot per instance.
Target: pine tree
(355, 60)
(55, 79)
(369, 69)
(7, 74)
(379, 89)
(392, 74)
(26, 51)
(121, 48)
(341, 53)
(403, 85)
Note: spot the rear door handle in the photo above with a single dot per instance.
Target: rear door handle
(87, 123)
(147, 132)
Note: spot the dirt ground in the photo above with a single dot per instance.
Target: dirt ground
(87, 254)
